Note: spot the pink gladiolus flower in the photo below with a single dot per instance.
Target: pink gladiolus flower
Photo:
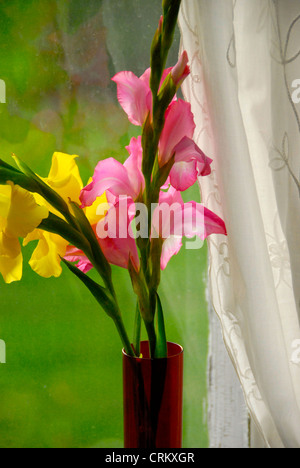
(134, 94)
(118, 179)
(118, 182)
(173, 219)
(176, 140)
(135, 97)
(115, 238)
(179, 123)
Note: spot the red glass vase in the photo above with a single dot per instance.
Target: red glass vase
(153, 391)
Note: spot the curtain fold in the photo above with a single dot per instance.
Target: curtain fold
(244, 59)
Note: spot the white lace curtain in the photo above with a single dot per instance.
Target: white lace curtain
(245, 63)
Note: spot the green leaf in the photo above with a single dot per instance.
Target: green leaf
(155, 256)
(45, 191)
(101, 263)
(161, 350)
(140, 288)
(58, 226)
(10, 174)
(101, 294)
(137, 330)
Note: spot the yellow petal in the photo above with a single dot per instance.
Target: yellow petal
(64, 177)
(24, 214)
(11, 260)
(5, 200)
(37, 234)
(45, 260)
(91, 211)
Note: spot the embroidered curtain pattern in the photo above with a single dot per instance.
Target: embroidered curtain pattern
(245, 63)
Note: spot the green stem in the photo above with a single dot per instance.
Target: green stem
(123, 335)
(152, 337)
(137, 330)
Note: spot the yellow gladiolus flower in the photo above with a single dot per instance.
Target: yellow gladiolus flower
(65, 179)
(45, 260)
(19, 216)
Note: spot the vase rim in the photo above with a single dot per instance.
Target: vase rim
(173, 354)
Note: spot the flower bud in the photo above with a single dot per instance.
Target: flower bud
(181, 70)
(171, 11)
(171, 5)
(156, 58)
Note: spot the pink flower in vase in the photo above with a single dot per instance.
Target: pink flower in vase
(115, 234)
(177, 140)
(115, 237)
(123, 182)
(134, 94)
(135, 98)
(173, 219)
(115, 178)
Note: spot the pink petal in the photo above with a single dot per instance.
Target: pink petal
(170, 248)
(116, 223)
(146, 79)
(115, 236)
(190, 161)
(183, 175)
(171, 196)
(133, 96)
(181, 70)
(133, 165)
(204, 169)
(119, 251)
(167, 218)
(186, 150)
(166, 213)
(179, 124)
(110, 175)
(85, 265)
(74, 255)
(200, 221)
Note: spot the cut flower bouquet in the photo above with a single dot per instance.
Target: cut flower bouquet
(131, 215)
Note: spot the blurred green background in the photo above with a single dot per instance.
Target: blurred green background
(62, 384)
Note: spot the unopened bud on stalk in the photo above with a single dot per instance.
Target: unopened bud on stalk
(171, 6)
(181, 70)
(171, 11)
(173, 82)
(156, 58)
(149, 151)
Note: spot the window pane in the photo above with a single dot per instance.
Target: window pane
(62, 383)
